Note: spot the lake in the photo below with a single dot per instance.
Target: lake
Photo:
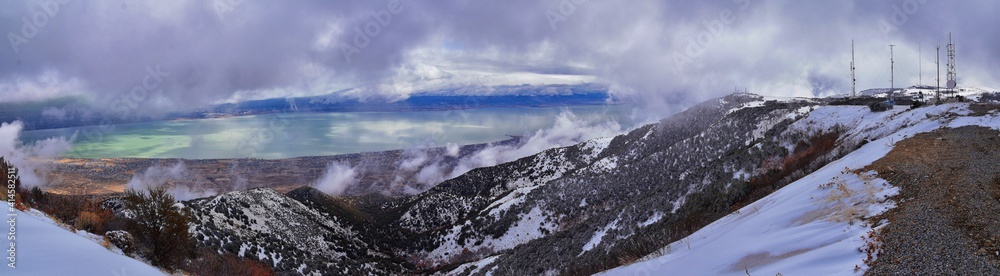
(288, 135)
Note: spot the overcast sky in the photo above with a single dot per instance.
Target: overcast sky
(664, 52)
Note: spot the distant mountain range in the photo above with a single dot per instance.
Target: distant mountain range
(75, 111)
(465, 98)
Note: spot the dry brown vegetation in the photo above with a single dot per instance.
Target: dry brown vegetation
(161, 230)
(806, 151)
(980, 109)
(209, 262)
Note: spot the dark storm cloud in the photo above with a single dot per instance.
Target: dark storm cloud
(665, 52)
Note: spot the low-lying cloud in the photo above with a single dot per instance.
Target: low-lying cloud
(176, 179)
(30, 159)
(423, 167)
(568, 130)
(337, 178)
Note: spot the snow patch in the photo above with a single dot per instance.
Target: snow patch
(513, 198)
(606, 164)
(652, 219)
(44, 248)
(595, 147)
(530, 227)
(599, 235)
(745, 106)
(741, 174)
(475, 266)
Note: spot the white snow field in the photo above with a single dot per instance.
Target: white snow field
(43, 248)
(810, 226)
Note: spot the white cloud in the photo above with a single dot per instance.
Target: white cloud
(337, 179)
(431, 175)
(452, 149)
(568, 130)
(780, 48)
(176, 179)
(417, 158)
(428, 166)
(30, 159)
(47, 85)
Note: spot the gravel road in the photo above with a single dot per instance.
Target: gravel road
(948, 218)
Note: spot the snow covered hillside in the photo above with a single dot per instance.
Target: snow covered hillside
(927, 92)
(287, 232)
(44, 248)
(783, 173)
(573, 196)
(813, 225)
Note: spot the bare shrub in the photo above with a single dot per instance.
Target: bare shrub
(121, 239)
(160, 229)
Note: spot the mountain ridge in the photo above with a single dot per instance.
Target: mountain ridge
(454, 220)
(608, 201)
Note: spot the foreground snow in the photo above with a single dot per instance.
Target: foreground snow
(811, 226)
(46, 249)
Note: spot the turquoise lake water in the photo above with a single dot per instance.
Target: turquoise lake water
(310, 134)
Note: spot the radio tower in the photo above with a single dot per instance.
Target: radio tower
(853, 80)
(952, 76)
(892, 81)
(937, 94)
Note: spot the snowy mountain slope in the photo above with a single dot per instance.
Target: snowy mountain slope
(598, 204)
(281, 231)
(701, 176)
(573, 204)
(539, 199)
(585, 208)
(44, 248)
(810, 226)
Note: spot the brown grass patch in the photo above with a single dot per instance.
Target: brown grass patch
(764, 258)
(983, 108)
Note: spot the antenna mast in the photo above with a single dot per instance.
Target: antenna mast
(892, 63)
(853, 79)
(920, 64)
(937, 94)
(952, 76)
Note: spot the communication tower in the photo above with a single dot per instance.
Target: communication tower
(853, 79)
(952, 75)
(892, 84)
